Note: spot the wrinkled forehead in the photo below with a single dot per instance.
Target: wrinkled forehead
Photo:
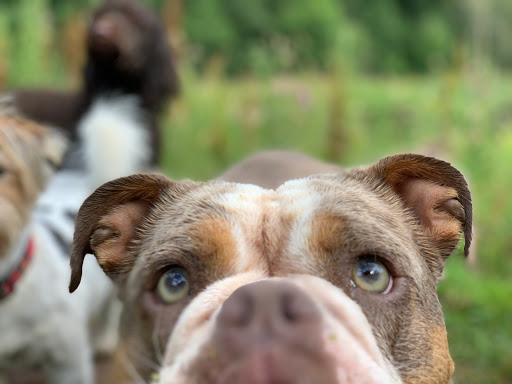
(294, 199)
(354, 205)
(305, 216)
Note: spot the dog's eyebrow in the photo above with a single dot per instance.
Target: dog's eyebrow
(165, 258)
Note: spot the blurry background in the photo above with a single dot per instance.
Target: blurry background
(349, 81)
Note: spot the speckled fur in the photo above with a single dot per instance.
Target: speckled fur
(409, 210)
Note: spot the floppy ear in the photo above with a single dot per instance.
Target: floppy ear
(435, 192)
(108, 221)
(54, 145)
(41, 146)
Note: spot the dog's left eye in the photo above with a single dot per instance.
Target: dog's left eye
(371, 275)
(173, 285)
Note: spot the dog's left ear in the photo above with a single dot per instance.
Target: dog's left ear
(54, 146)
(43, 147)
(435, 192)
(108, 222)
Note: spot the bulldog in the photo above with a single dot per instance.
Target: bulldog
(326, 275)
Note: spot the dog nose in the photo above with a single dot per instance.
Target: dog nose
(103, 29)
(266, 312)
(102, 38)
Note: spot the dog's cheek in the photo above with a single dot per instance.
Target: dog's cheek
(420, 356)
(398, 320)
(358, 366)
(160, 317)
(423, 357)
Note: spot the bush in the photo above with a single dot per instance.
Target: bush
(263, 35)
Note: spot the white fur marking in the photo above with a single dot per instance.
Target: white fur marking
(115, 138)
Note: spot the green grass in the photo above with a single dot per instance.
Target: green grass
(355, 120)
(478, 310)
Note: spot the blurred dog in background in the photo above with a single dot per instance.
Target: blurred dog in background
(42, 326)
(128, 77)
(111, 123)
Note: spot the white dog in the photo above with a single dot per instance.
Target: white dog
(41, 324)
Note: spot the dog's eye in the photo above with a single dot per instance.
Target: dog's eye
(371, 275)
(173, 285)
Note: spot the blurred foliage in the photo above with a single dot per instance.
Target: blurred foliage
(264, 37)
(379, 36)
(335, 102)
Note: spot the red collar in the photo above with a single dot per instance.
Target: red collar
(7, 285)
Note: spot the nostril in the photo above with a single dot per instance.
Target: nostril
(267, 314)
(289, 308)
(297, 307)
(238, 309)
(268, 304)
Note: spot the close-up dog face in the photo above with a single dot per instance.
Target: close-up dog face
(326, 279)
(29, 154)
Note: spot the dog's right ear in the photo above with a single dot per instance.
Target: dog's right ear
(108, 221)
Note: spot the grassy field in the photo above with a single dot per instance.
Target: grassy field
(462, 117)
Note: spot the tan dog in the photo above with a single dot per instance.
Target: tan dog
(29, 155)
(42, 326)
(328, 279)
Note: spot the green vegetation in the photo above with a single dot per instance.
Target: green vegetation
(344, 101)
(396, 36)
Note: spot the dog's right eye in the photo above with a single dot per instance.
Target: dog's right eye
(173, 285)
(371, 275)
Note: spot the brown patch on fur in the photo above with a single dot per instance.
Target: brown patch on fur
(215, 245)
(442, 362)
(439, 368)
(327, 233)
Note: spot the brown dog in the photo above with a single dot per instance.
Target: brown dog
(327, 279)
(129, 70)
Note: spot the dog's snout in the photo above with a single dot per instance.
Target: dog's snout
(267, 311)
(103, 29)
(102, 36)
